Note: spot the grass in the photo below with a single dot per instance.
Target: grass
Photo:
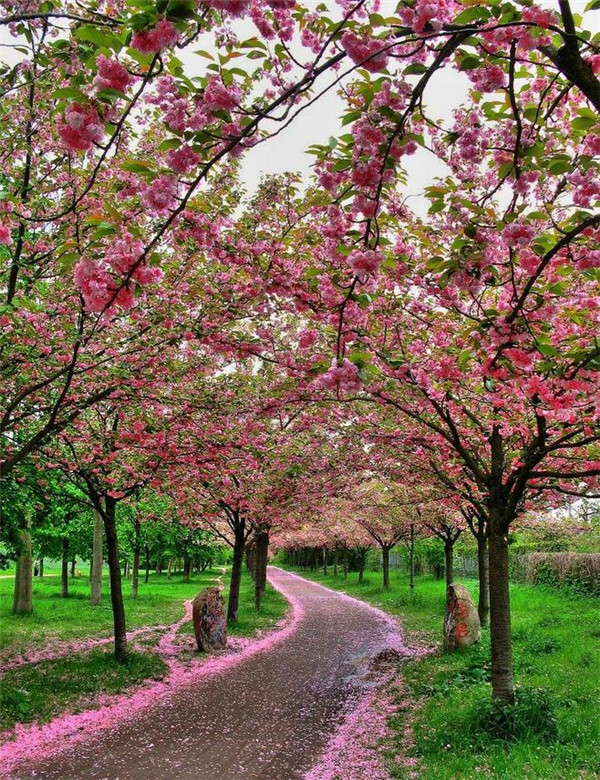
(39, 692)
(160, 602)
(249, 621)
(556, 640)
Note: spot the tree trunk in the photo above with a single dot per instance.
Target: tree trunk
(187, 569)
(96, 567)
(73, 563)
(483, 606)
(362, 556)
(236, 577)
(23, 598)
(345, 562)
(147, 576)
(125, 567)
(64, 574)
(135, 568)
(449, 561)
(159, 565)
(41, 566)
(411, 557)
(169, 565)
(502, 669)
(116, 594)
(335, 561)
(385, 565)
(261, 545)
(324, 561)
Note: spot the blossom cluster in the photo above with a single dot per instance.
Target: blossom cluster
(163, 36)
(80, 127)
(340, 377)
(369, 53)
(112, 75)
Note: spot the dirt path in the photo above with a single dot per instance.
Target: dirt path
(268, 718)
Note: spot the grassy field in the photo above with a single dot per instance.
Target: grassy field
(556, 649)
(40, 691)
(160, 602)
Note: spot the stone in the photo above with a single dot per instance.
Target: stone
(209, 619)
(461, 624)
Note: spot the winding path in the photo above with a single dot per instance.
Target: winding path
(267, 718)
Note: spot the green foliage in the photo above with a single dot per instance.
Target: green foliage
(41, 691)
(533, 714)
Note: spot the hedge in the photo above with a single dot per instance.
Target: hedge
(578, 571)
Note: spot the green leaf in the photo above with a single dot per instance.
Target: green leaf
(584, 122)
(417, 69)
(470, 62)
(473, 14)
(101, 37)
(136, 166)
(67, 93)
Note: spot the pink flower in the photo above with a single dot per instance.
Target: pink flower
(518, 234)
(112, 75)
(183, 159)
(364, 263)
(151, 41)
(307, 338)
(219, 97)
(586, 187)
(94, 283)
(5, 236)
(233, 7)
(429, 13)
(160, 195)
(340, 378)
(366, 52)
(489, 79)
(80, 127)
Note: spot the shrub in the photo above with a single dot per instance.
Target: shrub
(578, 571)
(531, 715)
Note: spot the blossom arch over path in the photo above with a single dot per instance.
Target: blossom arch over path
(269, 717)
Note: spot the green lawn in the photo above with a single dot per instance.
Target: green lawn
(160, 602)
(39, 692)
(556, 638)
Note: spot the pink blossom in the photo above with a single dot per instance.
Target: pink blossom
(543, 17)
(112, 75)
(94, 283)
(588, 259)
(5, 236)
(340, 377)
(366, 52)
(153, 40)
(219, 97)
(489, 79)
(429, 13)
(586, 187)
(307, 338)
(80, 127)
(233, 7)
(183, 159)
(364, 263)
(160, 195)
(518, 234)
(592, 144)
